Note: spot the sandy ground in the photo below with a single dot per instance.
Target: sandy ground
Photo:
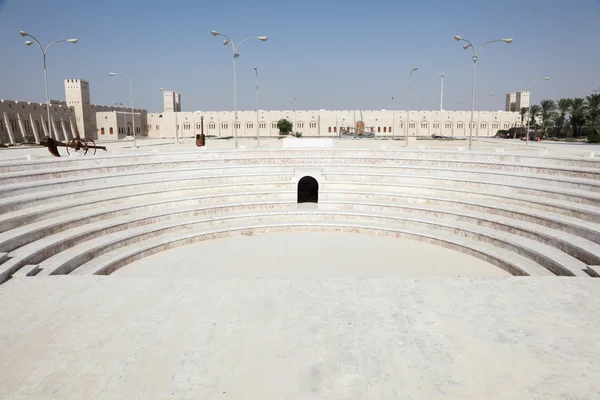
(310, 255)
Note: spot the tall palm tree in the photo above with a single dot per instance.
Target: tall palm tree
(578, 111)
(523, 112)
(593, 112)
(548, 107)
(563, 106)
(534, 112)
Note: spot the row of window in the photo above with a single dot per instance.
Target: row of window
(121, 130)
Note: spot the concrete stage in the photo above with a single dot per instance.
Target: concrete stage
(115, 337)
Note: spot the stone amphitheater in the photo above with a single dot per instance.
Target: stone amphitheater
(178, 272)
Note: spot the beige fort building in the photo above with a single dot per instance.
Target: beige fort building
(20, 120)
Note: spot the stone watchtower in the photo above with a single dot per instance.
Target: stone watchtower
(77, 93)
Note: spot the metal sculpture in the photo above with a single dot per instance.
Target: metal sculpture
(77, 145)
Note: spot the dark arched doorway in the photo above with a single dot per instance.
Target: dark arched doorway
(308, 190)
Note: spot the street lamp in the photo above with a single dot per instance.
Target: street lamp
(131, 96)
(235, 57)
(295, 100)
(257, 133)
(442, 74)
(393, 116)
(530, 101)
(44, 51)
(408, 111)
(475, 56)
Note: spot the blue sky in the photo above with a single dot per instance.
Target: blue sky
(335, 54)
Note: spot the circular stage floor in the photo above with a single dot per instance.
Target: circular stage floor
(310, 255)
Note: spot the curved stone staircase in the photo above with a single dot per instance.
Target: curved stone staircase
(527, 215)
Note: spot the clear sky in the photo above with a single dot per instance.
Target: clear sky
(345, 54)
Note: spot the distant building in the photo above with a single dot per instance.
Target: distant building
(172, 101)
(22, 121)
(517, 100)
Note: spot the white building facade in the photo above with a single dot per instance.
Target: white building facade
(330, 123)
(22, 121)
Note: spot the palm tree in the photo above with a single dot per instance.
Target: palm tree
(548, 107)
(534, 112)
(593, 112)
(577, 111)
(563, 106)
(523, 112)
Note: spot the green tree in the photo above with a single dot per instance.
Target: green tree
(523, 112)
(578, 112)
(534, 113)
(284, 126)
(563, 105)
(548, 108)
(593, 112)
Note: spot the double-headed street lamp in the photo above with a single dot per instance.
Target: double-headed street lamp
(44, 51)
(131, 98)
(235, 56)
(408, 111)
(475, 56)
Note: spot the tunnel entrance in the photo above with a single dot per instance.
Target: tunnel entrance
(308, 190)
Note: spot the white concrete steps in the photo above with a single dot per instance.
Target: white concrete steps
(583, 249)
(150, 188)
(115, 259)
(553, 259)
(548, 170)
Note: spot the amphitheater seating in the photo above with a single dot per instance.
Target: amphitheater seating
(529, 215)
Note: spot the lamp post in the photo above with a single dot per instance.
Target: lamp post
(442, 74)
(131, 98)
(408, 111)
(393, 116)
(295, 99)
(530, 101)
(44, 51)
(475, 56)
(235, 57)
(257, 132)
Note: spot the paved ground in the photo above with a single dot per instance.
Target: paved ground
(556, 149)
(310, 255)
(191, 338)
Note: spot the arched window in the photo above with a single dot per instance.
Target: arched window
(212, 126)
(412, 125)
(224, 125)
(506, 125)
(448, 125)
(390, 129)
(378, 129)
(273, 125)
(110, 130)
(238, 125)
(249, 125)
(186, 126)
(300, 125)
(101, 130)
(335, 128)
(483, 125)
(263, 125)
(329, 129)
(198, 126)
(313, 124)
(424, 125)
(495, 125)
